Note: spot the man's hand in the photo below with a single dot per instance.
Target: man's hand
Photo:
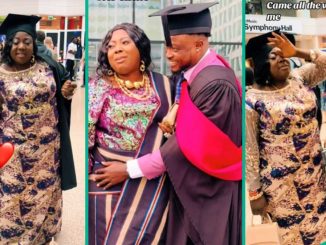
(168, 123)
(166, 127)
(258, 206)
(112, 174)
(68, 89)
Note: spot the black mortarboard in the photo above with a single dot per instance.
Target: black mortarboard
(258, 49)
(15, 22)
(185, 19)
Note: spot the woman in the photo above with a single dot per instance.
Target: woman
(35, 121)
(126, 102)
(49, 44)
(285, 171)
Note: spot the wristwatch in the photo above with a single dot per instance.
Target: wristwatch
(313, 55)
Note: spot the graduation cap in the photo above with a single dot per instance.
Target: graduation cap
(258, 49)
(185, 19)
(15, 22)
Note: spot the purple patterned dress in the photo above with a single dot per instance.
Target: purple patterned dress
(283, 155)
(30, 193)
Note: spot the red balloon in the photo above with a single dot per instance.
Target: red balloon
(6, 151)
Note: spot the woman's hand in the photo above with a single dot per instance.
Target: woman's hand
(258, 206)
(287, 49)
(68, 89)
(112, 174)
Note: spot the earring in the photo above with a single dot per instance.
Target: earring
(142, 66)
(33, 59)
(110, 72)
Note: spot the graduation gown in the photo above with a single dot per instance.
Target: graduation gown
(67, 168)
(205, 209)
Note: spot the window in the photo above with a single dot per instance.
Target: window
(52, 22)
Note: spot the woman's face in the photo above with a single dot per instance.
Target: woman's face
(123, 54)
(22, 48)
(279, 66)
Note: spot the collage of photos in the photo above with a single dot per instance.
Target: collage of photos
(165, 122)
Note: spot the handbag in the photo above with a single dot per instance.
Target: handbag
(263, 234)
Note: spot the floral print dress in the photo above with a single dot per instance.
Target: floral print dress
(283, 155)
(117, 121)
(30, 193)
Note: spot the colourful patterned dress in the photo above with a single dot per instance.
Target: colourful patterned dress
(283, 155)
(30, 193)
(120, 128)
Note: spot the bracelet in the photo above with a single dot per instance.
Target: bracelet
(254, 195)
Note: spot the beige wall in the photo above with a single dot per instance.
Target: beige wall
(43, 7)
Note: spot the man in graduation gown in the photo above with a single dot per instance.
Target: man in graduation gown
(203, 157)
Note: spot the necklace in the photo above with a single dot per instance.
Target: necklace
(278, 87)
(21, 74)
(127, 86)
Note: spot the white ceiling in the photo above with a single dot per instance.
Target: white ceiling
(43, 7)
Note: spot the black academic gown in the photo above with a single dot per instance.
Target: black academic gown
(204, 209)
(67, 169)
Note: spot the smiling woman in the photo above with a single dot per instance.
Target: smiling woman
(22, 49)
(34, 119)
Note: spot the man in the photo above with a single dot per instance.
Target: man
(70, 58)
(41, 48)
(78, 57)
(203, 157)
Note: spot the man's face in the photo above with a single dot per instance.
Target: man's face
(182, 54)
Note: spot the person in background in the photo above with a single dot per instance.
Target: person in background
(34, 92)
(70, 58)
(49, 44)
(78, 57)
(322, 87)
(41, 48)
